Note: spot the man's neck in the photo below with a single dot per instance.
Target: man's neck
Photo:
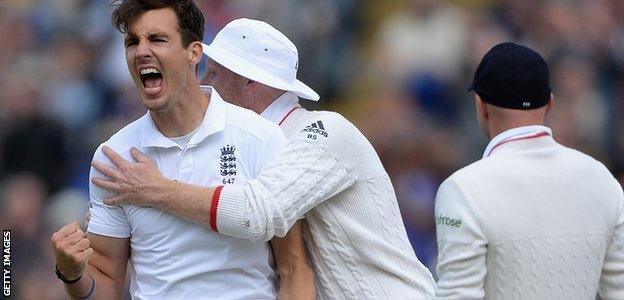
(496, 129)
(185, 115)
(279, 107)
(503, 119)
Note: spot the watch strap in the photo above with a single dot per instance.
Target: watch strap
(63, 278)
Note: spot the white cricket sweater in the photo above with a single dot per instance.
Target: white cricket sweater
(355, 235)
(531, 220)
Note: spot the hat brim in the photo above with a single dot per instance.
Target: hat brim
(247, 69)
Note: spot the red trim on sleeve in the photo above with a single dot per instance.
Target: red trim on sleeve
(213, 207)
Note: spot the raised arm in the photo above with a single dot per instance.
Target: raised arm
(99, 262)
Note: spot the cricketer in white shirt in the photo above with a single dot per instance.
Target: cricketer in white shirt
(329, 173)
(172, 258)
(531, 220)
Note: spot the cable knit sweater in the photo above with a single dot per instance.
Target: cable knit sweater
(533, 220)
(355, 235)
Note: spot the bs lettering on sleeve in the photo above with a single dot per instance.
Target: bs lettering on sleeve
(314, 130)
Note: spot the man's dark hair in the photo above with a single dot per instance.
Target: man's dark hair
(190, 17)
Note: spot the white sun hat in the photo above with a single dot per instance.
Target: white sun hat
(256, 50)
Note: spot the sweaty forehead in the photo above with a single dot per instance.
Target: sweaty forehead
(156, 21)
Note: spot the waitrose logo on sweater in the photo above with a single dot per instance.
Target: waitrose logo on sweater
(444, 220)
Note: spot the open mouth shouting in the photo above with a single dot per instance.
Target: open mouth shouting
(152, 80)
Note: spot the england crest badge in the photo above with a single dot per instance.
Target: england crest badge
(227, 164)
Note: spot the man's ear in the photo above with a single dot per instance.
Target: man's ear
(550, 104)
(195, 52)
(482, 108)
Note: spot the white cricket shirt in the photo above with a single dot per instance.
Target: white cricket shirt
(531, 220)
(172, 258)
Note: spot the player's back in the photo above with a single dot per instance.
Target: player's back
(359, 246)
(548, 215)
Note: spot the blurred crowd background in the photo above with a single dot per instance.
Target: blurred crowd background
(397, 68)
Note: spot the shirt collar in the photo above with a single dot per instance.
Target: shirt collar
(213, 122)
(277, 110)
(513, 134)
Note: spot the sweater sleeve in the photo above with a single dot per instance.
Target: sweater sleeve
(318, 163)
(612, 277)
(461, 245)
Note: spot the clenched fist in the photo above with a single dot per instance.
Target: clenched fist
(72, 250)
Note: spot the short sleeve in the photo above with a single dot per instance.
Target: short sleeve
(105, 220)
(461, 245)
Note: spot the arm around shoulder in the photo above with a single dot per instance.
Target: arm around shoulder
(318, 163)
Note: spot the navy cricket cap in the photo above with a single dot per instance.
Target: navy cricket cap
(512, 76)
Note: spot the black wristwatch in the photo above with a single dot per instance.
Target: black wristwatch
(62, 278)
